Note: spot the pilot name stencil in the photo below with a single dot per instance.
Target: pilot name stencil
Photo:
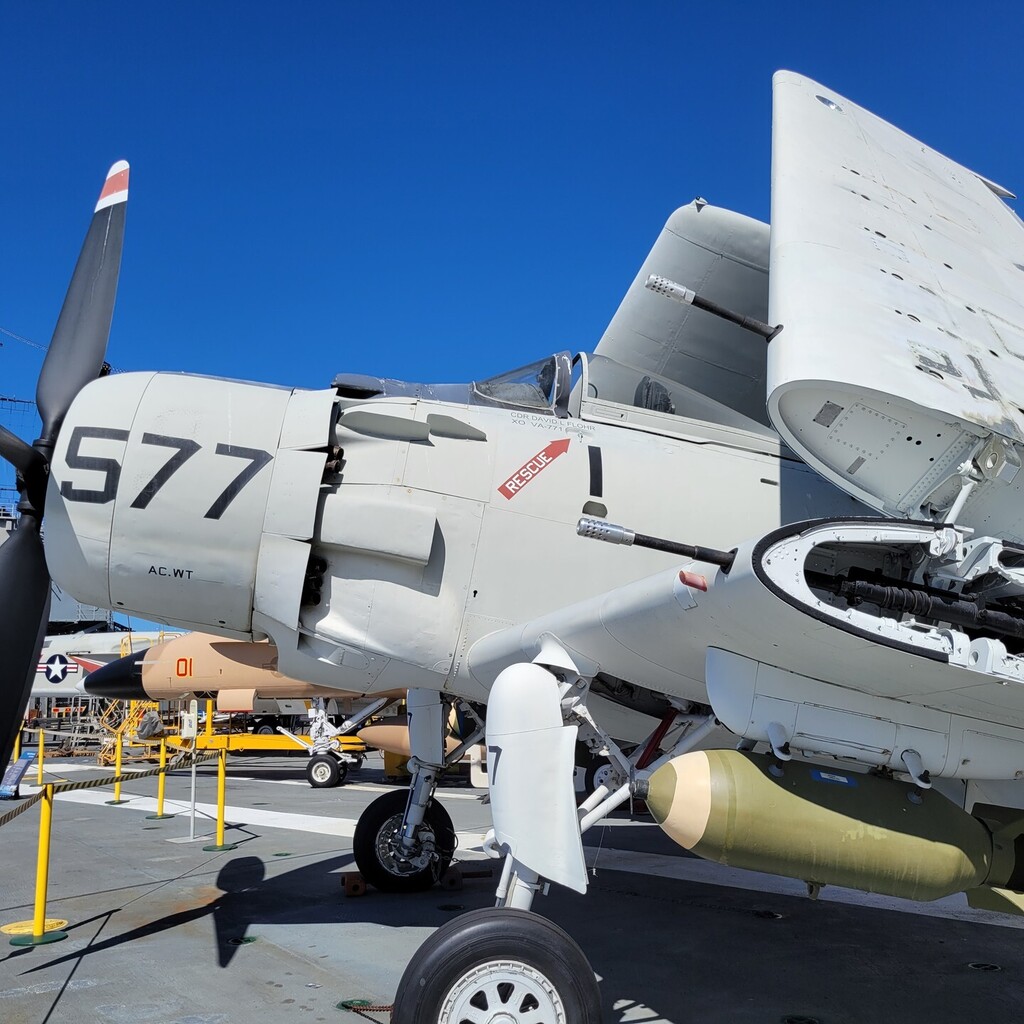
(542, 421)
(526, 472)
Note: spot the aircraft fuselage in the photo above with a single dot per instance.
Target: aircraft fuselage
(375, 541)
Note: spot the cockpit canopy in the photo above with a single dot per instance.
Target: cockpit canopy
(541, 387)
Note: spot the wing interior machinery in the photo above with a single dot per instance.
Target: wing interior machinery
(898, 377)
(897, 273)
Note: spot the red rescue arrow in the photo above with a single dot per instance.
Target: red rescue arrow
(526, 472)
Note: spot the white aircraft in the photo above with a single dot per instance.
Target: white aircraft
(833, 410)
(71, 651)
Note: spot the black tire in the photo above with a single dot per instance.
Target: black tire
(596, 772)
(265, 727)
(379, 823)
(323, 771)
(535, 962)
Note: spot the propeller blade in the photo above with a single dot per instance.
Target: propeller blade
(20, 454)
(79, 343)
(24, 611)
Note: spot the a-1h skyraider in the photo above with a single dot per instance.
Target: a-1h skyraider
(804, 442)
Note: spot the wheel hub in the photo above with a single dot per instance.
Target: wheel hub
(504, 992)
(394, 858)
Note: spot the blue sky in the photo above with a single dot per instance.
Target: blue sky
(426, 191)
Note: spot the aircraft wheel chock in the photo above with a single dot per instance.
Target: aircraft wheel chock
(323, 771)
(377, 848)
(498, 964)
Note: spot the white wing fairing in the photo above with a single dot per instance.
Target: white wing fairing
(897, 274)
(819, 636)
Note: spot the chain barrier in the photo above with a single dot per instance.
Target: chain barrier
(363, 1007)
(184, 761)
(21, 808)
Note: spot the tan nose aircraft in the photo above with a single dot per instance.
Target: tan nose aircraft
(237, 674)
(242, 676)
(233, 672)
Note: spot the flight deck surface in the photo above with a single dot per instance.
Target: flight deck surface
(162, 932)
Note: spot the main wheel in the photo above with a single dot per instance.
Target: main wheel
(599, 773)
(322, 771)
(378, 850)
(497, 965)
(265, 727)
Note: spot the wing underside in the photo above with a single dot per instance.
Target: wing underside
(897, 275)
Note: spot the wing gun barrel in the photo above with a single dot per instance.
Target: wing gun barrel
(671, 290)
(598, 529)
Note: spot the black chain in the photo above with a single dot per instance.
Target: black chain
(358, 1006)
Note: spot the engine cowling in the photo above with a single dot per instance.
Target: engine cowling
(176, 524)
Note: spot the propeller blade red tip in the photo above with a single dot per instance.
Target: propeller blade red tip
(115, 188)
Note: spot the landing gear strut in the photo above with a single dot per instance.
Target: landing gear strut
(383, 860)
(329, 763)
(507, 965)
(404, 842)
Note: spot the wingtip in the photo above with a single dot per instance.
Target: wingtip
(115, 188)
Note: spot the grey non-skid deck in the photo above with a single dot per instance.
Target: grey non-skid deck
(161, 931)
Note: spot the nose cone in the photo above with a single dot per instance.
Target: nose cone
(118, 680)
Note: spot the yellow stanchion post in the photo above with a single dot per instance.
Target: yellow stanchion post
(222, 774)
(17, 746)
(43, 931)
(161, 784)
(39, 758)
(117, 771)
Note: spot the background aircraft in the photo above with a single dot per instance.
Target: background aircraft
(854, 602)
(69, 656)
(241, 676)
(233, 672)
